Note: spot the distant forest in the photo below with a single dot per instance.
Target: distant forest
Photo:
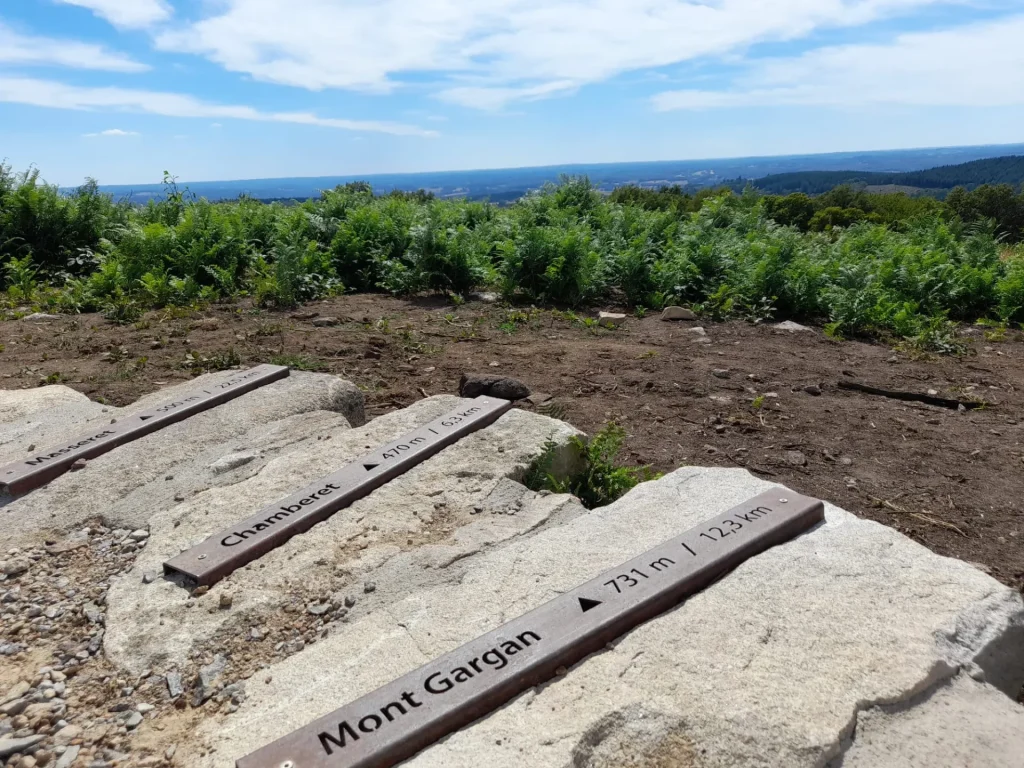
(936, 181)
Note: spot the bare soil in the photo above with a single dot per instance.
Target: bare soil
(734, 396)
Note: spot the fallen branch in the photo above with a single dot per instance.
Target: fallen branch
(886, 503)
(943, 523)
(941, 402)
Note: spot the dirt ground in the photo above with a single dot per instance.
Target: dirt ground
(737, 394)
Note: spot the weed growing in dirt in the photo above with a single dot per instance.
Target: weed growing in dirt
(299, 363)
(198, 363)
(122, 309)
(600, 481)
(515, 319)
(128, 370)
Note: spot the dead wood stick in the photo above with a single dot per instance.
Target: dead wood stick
(942, 402)
(942, 523)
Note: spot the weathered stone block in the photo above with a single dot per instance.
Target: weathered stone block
(127, 485)
(772, 665)
(403, 537)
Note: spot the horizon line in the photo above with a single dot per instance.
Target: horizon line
(359, 177)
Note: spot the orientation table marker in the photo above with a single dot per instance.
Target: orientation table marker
(39, 469)
(219, 555)
(398, 720)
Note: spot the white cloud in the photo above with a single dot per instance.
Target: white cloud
(980, 65)
(492, 98)
(112, 132)
(134, 14)
(16, 48)
(49, 93)
(507, 49)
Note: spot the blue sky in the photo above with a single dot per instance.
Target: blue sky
(122, 90)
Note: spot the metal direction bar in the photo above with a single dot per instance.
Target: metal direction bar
(219, 555)
(39, 469)
(395, 722)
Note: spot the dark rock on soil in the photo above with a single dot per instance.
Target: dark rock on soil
(477, 384)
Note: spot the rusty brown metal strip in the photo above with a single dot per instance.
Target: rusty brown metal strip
(40, 468)
(398, 720)
(216, 557)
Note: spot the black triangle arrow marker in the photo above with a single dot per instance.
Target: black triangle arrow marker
(143, 418)
(586, 604)
(368, 467)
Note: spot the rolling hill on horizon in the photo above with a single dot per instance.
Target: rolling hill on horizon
(997, 170)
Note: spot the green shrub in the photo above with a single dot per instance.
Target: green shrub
(1010, 289)
(372, 236)
(552, 264)
(443, 259)
(882, 264)
(600, 481)
(21, 278)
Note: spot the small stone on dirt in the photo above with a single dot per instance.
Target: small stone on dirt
(677, 313)
(209, 675)
(610, 319)
(796, 459)
(323, 322)
(226, 598)
(79, 464)
(789, 325)
(41, 317)
(319, 609)
(174, 686)
(721, 373)
(68, 757)
(14, 567)
(16, 692)
(66, 735)
(10, 747)
(813, 389)
(503, 387)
